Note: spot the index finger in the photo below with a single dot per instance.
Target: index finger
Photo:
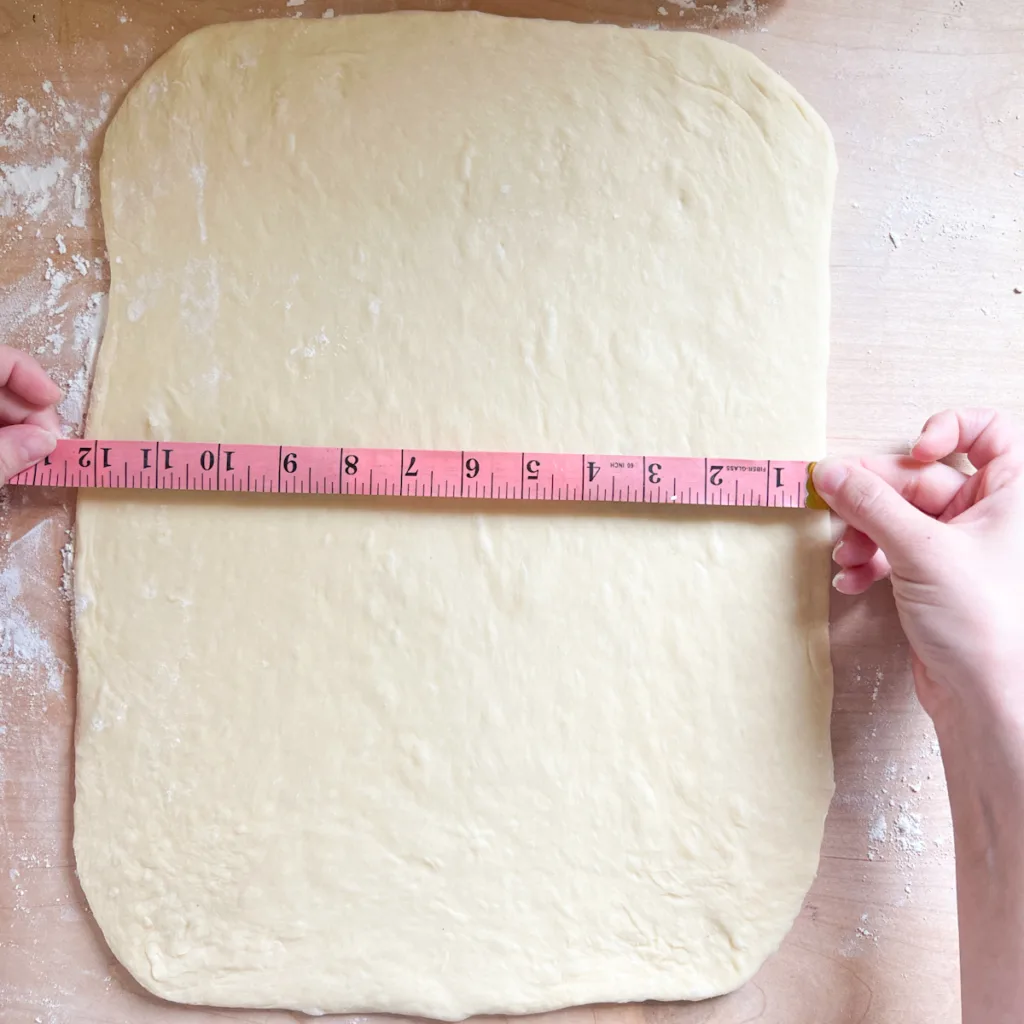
(929, 486)
(24, 377)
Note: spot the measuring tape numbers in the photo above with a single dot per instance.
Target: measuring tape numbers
(423, 473)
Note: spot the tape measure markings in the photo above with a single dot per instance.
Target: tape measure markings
(408, 472)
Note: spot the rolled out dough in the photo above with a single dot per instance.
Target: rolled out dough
(433, 759)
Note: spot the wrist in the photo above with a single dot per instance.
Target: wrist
(982, 744)
(980, 701)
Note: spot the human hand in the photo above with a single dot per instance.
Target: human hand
(29, 424)
(953, 544)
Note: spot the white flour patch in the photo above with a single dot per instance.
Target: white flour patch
(746, 9)
(88, 329)
(45, 173)
(72, 406)
(67, 568)
(896, 829)
(19, 303)
(879, 829)
(21, 124)
(314, 347)
(58, 280)
(80, 198)
(908, 835)
(89, 324)
(135, 310)
(27, 189)
(200, 295)
(853, 946)
(198, 174)
(24, 648)
(211, 379)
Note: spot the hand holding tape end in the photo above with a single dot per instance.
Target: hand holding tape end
(29, 424)
(953, 544)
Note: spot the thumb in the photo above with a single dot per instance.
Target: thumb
(863, 500)
(21, 445)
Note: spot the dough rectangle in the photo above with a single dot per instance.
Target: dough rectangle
(444, 760)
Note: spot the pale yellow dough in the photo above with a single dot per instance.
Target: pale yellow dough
(433, 759)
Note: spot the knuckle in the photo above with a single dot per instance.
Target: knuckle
(1003, 432)
(994, 421)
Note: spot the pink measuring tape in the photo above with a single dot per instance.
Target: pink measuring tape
(414, 472)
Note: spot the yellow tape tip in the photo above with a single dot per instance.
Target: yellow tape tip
(814, 499)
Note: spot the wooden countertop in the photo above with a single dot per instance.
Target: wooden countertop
(926, 101)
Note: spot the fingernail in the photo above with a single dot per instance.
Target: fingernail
(829, 475)
(837, 549)
(37, 445)
(837, 579)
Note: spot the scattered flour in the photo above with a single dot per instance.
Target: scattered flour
(24, 648)
(200, 295)
(854, 944)
(879, 829)
(899, 803)
(895, 825)
(89, 324)
(44, 168)
(907, 827)
(56, 309)
(29, 189)
(21, 123)
(313, 347)
(67, 563)
(88, 329)
(36, 720)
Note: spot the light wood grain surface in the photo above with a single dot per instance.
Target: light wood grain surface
(925, 99)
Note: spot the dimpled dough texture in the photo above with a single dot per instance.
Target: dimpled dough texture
(437, 758)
